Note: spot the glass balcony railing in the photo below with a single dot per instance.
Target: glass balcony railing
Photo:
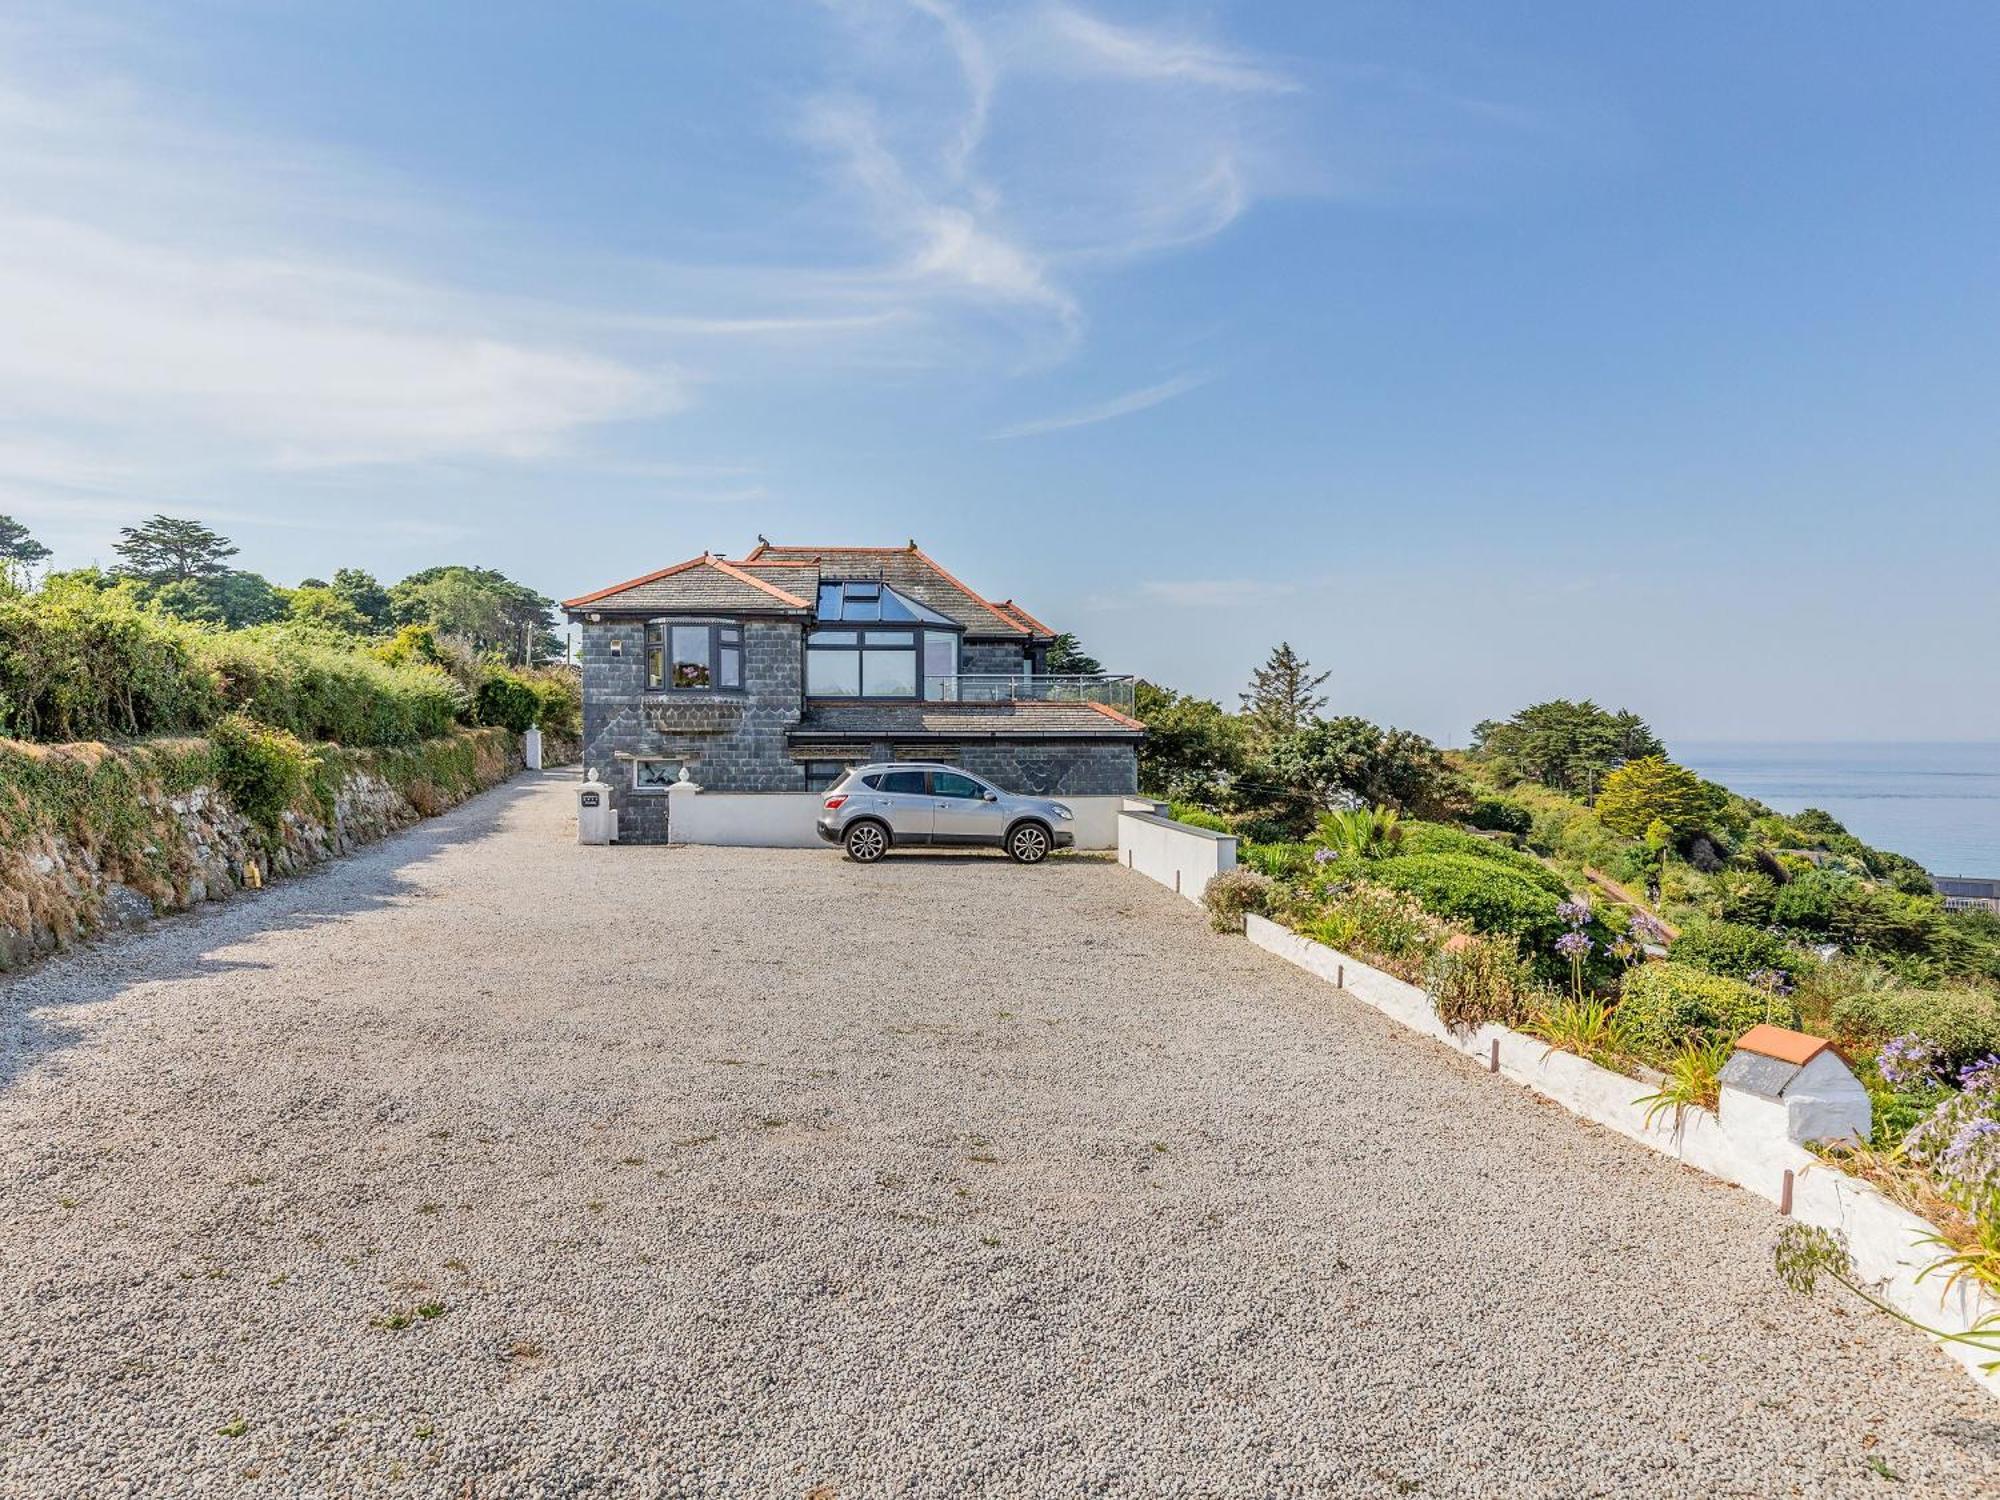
(1111, 689)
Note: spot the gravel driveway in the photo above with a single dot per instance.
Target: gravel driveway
(748, 1173)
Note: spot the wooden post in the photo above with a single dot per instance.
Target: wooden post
(1785, 1195)
(1494, 1065)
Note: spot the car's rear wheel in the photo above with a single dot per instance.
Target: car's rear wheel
(866, 843)
(1028, 844)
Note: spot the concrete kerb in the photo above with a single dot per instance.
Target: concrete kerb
(1886, 1241)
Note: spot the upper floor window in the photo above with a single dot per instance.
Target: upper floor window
(882, 664)
(694, 658)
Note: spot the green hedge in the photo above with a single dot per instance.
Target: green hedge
(1665, 1004)
(1963, 1025)
(1438, 838)
(1483, 892)
(79, 666)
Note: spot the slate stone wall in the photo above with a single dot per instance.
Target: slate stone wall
(732, 742)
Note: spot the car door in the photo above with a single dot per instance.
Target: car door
(960, 813)
(905, 802)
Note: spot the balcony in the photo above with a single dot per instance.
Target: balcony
(1113, 690)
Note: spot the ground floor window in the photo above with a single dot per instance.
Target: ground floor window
(654, 775)
(821, 774)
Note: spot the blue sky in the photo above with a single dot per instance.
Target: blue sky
(1485, 352)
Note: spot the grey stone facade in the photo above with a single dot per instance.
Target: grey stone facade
(997, 657)
(733, 741)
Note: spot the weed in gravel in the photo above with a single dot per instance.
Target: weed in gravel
(1160, 1147)
(235, 1427)
(423, 1430)
(429, 1310)
(695, 1140)
(394, 1322)
(429, 1208)
(280, 1279)
(455, 1264)
(524, 1349)
(595, 1205)
(990, 1241)
(1882, 1470)
(633, 1161)
(772, 1122)
(66, 1203)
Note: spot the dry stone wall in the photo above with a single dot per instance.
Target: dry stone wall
(66, 874)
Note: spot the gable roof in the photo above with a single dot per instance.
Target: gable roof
(910, 571)
(701, 583)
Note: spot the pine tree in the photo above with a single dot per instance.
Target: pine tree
(1067, 658)
(18, 550)
(167, 549)
(1283, 696)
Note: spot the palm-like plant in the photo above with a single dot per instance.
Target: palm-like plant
(1361, 832)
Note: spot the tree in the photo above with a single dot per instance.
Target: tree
(1335, 763)
(321, 605)
(1067, 658)
(480, 606)
(367, 597)
(1192, 749)
(1654, 788)
(18, 551)
(1564, 745)
(233, 600)
(169, 550)
(1283, 697)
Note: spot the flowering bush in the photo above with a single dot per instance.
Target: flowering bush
(1909, 1063)
(1960, 1141)
(1231, 894)
(1476, 980)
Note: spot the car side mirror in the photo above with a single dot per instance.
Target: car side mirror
(992, 796)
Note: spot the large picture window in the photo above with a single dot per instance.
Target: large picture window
(694, 658)
(882, 664)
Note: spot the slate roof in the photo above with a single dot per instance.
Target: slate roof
(708, 583)
(963, 721)
(910, 571)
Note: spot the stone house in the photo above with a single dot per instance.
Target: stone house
(776, 671)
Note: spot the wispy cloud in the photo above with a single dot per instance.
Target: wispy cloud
(1202, 593)
(1090, 43)
(1107, 411)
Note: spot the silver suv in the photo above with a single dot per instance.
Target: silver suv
(874, 808)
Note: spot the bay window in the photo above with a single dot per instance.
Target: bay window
(701, 658)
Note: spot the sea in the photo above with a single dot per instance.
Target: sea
(1938, 803)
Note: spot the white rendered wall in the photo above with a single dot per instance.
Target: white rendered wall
(1181, 858)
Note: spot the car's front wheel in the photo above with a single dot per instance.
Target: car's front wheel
(1028, 844)
(866, 843)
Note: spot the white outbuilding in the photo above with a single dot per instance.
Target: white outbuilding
(1786, 1085)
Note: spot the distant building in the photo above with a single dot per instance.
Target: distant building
(1968, 893)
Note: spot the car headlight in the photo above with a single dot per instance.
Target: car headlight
(1062, 812)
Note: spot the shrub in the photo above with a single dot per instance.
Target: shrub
(1380, 925)
(1197, 817)
(1733, 949)
(1232, 894)
(1278, 861)
(561, 700)
(1479, 891)
(1959, 1025)
(263, 771)
(1436, 838)
(1808, 901)
(1498, 815)
(1474, 981)
(507, 702)
(1666, 1004)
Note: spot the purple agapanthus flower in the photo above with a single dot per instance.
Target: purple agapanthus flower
(1645, 930)
(1576, 912)
(1972, 1138)
(1908, 1062)
(1982, 1077)
(1324, 856)
(1574, 945)
(1772, 981)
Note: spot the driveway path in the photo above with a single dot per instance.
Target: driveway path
(748, 1173)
